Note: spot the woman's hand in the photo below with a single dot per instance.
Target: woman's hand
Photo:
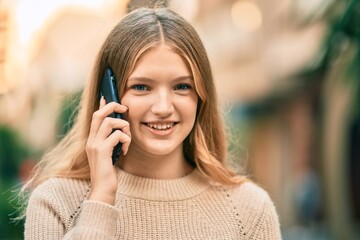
(99, 148)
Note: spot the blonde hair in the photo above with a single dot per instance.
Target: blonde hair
(205, 147)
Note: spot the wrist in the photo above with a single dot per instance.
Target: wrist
(108, 198)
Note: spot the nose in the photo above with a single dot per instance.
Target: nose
(163, 104)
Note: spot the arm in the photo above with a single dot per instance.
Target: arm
(42, 222)
(47, 218)
(256, 212)
(267, 225)
(97, 220)
(48, 214)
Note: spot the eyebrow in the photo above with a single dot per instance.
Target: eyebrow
(146, 79)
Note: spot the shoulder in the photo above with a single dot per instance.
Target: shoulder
(255, 208)
(62, 188)
(249, 193)
(60, 194)
(249, 198)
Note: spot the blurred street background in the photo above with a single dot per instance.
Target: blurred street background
(288, 79)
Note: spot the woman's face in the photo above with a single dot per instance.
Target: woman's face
(162, 101)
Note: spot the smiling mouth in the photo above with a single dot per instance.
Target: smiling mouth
(161, 126)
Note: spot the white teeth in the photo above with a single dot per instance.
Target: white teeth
(160, 126)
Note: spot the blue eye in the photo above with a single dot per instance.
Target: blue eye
(182, 86)
(140, 87)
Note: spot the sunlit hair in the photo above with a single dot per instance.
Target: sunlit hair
(137, 32)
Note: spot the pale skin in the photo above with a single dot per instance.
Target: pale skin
(159, 110)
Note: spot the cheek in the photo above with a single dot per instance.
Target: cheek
(133, 108)
(190, 108)
(133, 114)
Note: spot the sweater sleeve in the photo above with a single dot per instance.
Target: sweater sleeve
(49, 216)
(42, 218)
(267, 225)
(96, 221)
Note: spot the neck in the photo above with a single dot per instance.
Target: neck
(169, 166)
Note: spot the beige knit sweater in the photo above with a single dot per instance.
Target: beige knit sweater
(184, 208)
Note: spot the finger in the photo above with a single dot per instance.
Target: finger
(109, 124)
(102, 102)
(125, 147)
(116, 137)
(95, 124)
(96, 120)
(113, 107)
(99, 116)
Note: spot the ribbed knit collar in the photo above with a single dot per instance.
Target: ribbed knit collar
(161, 189)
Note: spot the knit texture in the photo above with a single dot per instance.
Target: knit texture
(183, 208)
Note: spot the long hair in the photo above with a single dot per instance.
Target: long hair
(205, 147)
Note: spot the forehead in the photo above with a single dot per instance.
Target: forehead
(161, 60)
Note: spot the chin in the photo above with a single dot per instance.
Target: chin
(162, 149)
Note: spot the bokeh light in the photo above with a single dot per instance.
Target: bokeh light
(246, 15)
(31, 14)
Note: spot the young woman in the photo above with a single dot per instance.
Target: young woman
(170, 181)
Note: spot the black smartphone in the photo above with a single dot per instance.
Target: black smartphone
(109, 91)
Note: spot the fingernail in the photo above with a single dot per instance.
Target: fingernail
(102, 99)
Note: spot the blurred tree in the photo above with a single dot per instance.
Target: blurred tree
(13, 150)
(69, 111)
